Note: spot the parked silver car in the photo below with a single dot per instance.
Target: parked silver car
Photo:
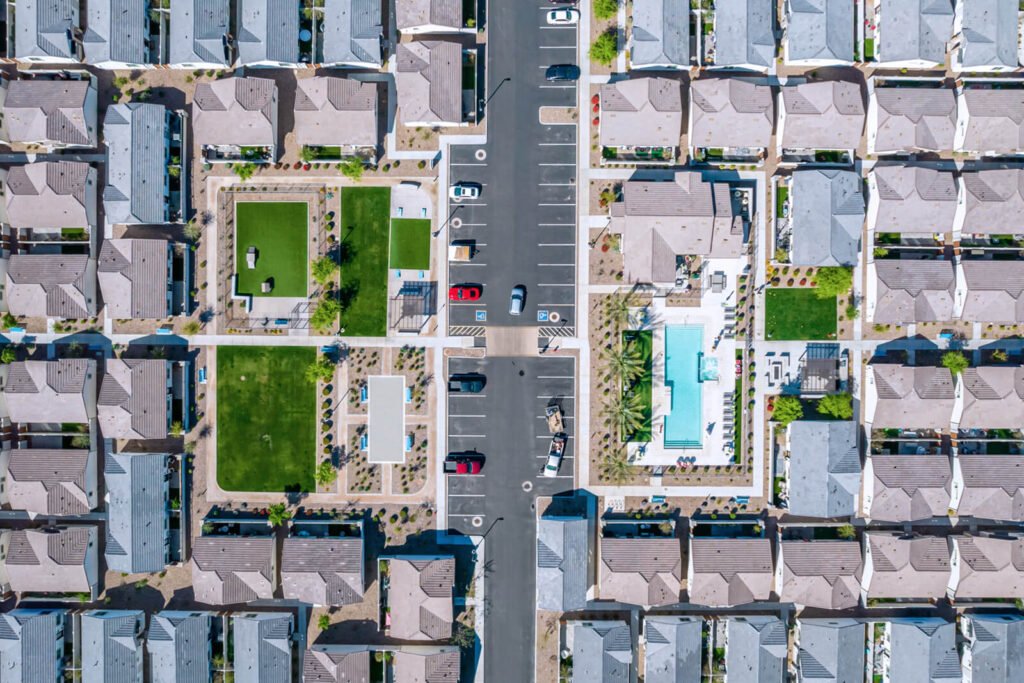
(516, 301)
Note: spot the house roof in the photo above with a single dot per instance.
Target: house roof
(744, 33)
(321, 100)
(908, 396)
(426, 665)
(268, 31)
(352, 31)
(820, 30)
(914, 290)
(198, 31)
(133, 399)
(50, 285)
(673, 649)
(995, 120)
(116, 32)
(827, 217)
(563, 554)
(336, 664)
(661, 33)
(323, 571)
(137, 519)
(56, 560)
(178, 645)
(915, 119)
(830, 650)
(995, 199)
(823, 486)
(28, 639)
(227, 570)
(993, 397)
(730, 571)
(235, 111)
(994, 291)
(136, 139)
(906, 566)
(50, 194)
(730, 112)
(823, 574)
(914, 199)
(642, 112)
(428, 80)
(822, 115)
(997, 648)
(910, 487)
(49, 391)
(112, 645)
(50, 481)
(44, 29)
(990, 566)
(602, 651)
(989, 33)
(757, 648)
(54, 111)
(641, 571)
(993, 487)
(924, 649)
(133, 276)
(420, 597)
(428, 13)
(915, 30)
(263, 647)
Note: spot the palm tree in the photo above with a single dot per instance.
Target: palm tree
(616, 468)
(278, 514)
(626, 413)
(626, 363)
(618, 309)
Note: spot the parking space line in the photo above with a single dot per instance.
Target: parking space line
(557, 87)
(466, 495)
(557, 204)
(561, 396)
(467, 514)
(466, 436)
(467, 395)
(556, 244)
(573, 163)
(556, 144)
(555, 225)
(556, 284)
(554, 185)
(464, 163)
(556, 376)
(555, 265)
(451, 416)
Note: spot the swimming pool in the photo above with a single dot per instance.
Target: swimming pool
(683, 344)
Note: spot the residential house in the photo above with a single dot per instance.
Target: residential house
(641, 112)
(136, 278)
(822, 574)
(228, 570)
(53, 560)
(899, 566)
(821, 120)
(730, 118)
(913, 34)
(995, 200)
(414, 17)
(830, 650)
(32, 645)
(200, 34)
(989, 487)
(419, 596)
(112, 645)
(325, 571)
(321, 101)
(601, 651)
(268, 33)
(263, 646)
(235, 119)
(756, 648)
(993, 397)
(991, 120)
(641, 570)
(913, 200)
(994, 291)
(49, 200)
(743, 36)
(137, 190)
(352, 33)
(993, 653)
(61, 390)
(672, 649)
(660, 36)
(563, 563)
(823, 468)
(138, 520)
(986, 31)
(134, 400)
(323, 663)
(117, 35)
(415, 663)
(819, 32)
(51, 286)
(51, 114)
(45, 481)
(907, 291)
(729, 571)
(46, 32)
(986, 566)
(428, 83)
(827, 217)
(912, 116)
(180, 646)
(923, 649)
(907, 488)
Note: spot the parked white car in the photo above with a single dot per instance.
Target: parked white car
(564, 16)
(464, 191)
(555, 452)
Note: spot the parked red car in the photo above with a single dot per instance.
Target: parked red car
(463, 464)
(463, 293)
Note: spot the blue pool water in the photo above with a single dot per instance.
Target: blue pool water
(683, 425)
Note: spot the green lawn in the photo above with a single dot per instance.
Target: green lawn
(642, 341)
(799, 314)
(279, 232)
(266, 419)
(781, 193)
(365, 227)
(410, 243)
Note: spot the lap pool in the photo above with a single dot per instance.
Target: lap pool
(683, 423)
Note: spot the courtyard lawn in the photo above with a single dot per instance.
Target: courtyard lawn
(792, 314)
(279, 232)
(364, 235)
(642, 341)
(410, 243)
(266, 419)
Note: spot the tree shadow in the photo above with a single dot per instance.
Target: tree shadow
(348, 294)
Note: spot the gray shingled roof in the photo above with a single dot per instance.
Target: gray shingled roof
(641, 571)
(263, 647)
(235, 111)
(419, 14)
(993, 397)
(995, 291)
(59, 560)
(420, 597)
(51, 285)
(661, 33)
(923, 651)
(820, 30)
(112, 646)
(914, 118)
(831, 651)
(912, 30)
(133, 276)
(822, 574)
(136, 189)
(50, 194)
(904, 567)
(352, 31)
(198, 31)
(50, 111)
(993, 487)
(320, 101)
(51, 481)
(323, 571)
(989, 33)
(730, 112)
(336, 664)
(995, 199)
(268, 31)
(673, 649)
(179, 647)
(424, 664)
(910, 487)
(827, 217)
(730, 571)
(822, 115)
(44, 28)
(228, 570)
(914, 199)
(914, 290)
(428, 80)
(602, 651)
(744, 33)
(50, 391)
(757, 649)
(116, 31)
(642, 112)
(997, 648)
(990, 567)
(562, 556)
(824, 468)
(133, 399)
(995, 120)
(137, 518)
(28, 640)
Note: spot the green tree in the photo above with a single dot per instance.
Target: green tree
(307, 154)
(605, 9)
(625, 362)
(324, 622)
(325, 473)
(833, 281)
(616, 468)
(320, 370)
(278, 514)
(352, 168)
(955, 362)
(8, 355)
(9, 321)
(324, 270)
(605, 49)
(193, 231)
(325, 317)
(81, 441)
(244, 171)
(787, 409)
(463, 636)
(190, 328)
(177, 429)
(626, 413)
(847, 531)
(839, 406)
